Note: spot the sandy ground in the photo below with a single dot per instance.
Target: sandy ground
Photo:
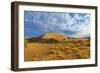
(57, 51)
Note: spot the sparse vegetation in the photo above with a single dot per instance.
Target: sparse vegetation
(55, 50)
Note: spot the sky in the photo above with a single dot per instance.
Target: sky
(37, 23)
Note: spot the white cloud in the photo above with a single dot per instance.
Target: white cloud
(59, 22)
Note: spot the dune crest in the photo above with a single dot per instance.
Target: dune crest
(55, 36)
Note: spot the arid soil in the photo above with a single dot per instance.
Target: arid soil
(54, 49)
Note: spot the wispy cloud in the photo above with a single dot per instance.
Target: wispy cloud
(67, 23)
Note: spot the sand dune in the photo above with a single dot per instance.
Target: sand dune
(52, 46)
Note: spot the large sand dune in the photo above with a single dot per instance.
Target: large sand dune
(52, 46)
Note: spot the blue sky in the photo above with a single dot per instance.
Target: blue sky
(37, 23)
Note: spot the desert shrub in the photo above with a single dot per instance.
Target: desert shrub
(79, 41)
(87, 44)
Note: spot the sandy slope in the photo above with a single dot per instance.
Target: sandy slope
(65, 48)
